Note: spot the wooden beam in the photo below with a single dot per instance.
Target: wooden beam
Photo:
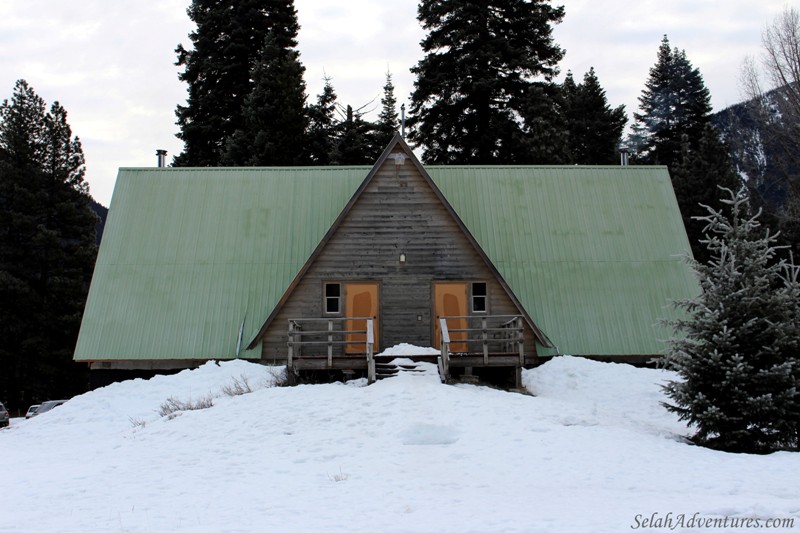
(337, 364)
(290, 348)
(147, 364)
(370, 359)
(330, 342)
(477, 361)
(485, 338)
(445, 347)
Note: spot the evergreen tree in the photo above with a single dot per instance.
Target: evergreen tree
(388, 123)
(737, 350)
(355, 140)
(22, 136)
(474, 81)
(595, 130)
(674, 103)
(227, 48)
(543, 137)
(674, 129)
(699, 178)
(273, 133)
(47, 249)
(321, 134)
(569, 91)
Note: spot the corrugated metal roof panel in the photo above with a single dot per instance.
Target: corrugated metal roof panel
(190, 254)
(595, 254)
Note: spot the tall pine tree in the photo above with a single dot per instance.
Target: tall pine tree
(274, 128)
(321, 132)
(543, 137)
(673, 129)
(674, 103)
(699, 178)
(47, 250)
(228, 47)
(595, 129)
(474, 80)
(354, 142)
(387, 124)
(569, 89)
(737, 349)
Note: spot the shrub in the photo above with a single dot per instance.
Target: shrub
(172, 407)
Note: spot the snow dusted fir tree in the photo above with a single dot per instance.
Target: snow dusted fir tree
(737, 353)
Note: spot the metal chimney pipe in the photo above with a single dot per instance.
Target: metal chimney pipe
(403, 121)
(162, 158)
(623, 158)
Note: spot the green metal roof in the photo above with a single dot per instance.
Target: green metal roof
(595, 254)
(188, 255)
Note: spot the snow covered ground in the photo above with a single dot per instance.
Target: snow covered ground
(590, 451)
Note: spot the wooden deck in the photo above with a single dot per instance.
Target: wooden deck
(496, 342)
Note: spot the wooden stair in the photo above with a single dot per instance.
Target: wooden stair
(389, 369)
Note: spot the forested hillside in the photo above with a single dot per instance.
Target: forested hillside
(101, 212)
(761, 150)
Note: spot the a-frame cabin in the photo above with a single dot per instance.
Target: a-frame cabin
(495, 267)
(400, 255)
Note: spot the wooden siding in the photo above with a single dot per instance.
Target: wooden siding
(397, 212)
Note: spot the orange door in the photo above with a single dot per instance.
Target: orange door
(361, 301)
(450, 299)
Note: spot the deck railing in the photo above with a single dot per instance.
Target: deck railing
(483, 335)
(307, 332)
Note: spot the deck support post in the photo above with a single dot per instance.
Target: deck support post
(330, 343)
(445, 348)
(485, 339)
(370, 358)
(290, 351)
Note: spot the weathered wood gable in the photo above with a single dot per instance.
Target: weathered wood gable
(397, 210)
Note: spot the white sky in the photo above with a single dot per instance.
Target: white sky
(111, 64)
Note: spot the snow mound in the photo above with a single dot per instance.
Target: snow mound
(386, 457)
(117, 406)
(605, 393)
(404, 349)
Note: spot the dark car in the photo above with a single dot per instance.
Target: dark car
(48, 405)
(4, 416)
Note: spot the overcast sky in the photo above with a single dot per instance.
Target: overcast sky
(111, 63)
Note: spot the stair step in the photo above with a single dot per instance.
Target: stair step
(388, 370)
